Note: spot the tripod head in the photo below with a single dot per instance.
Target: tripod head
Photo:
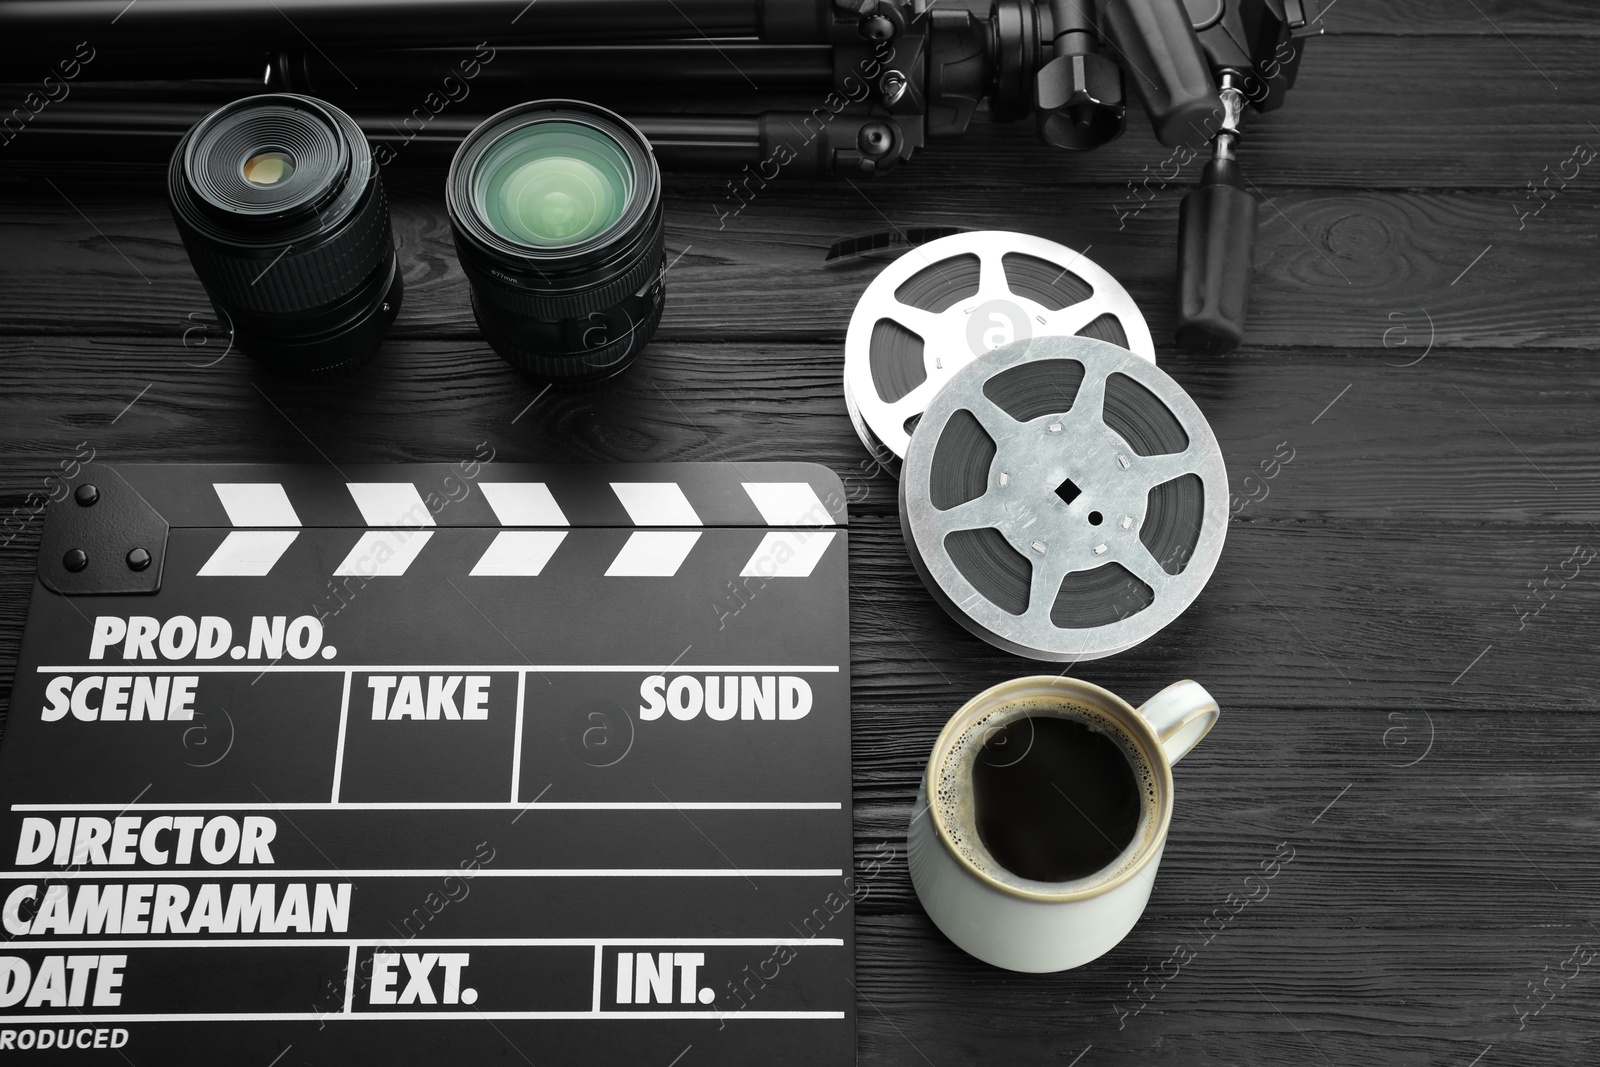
(1196, 66)
(897, 74)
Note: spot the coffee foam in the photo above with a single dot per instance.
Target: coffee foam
(955, 805)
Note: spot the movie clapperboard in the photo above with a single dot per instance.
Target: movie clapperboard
(433, 763)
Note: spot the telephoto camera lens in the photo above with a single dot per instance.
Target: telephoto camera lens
(279, 203)
(556, 210)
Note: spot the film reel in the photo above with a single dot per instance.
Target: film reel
(1063, 499)
(941, 305)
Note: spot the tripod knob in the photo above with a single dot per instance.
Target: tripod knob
(1216, 235)
(1078, 101)
(1156, 44)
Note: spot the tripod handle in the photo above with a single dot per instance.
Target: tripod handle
(1155, 43)
(1216, 236)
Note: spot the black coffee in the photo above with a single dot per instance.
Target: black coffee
(1054, 800)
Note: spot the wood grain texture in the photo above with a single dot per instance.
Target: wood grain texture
(1469, 437)
(1417, 905)
(1395, 708)
(1435, 18)
(1332, 268)
(1417, 506)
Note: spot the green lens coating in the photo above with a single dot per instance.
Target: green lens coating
(553, 184)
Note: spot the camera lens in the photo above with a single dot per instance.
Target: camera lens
(556, 210)
(281, 209)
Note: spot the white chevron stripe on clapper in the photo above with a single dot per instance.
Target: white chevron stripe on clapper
(519, 553)
(248, 553)
(384, 553)
(399, 509)
(252, 553)
(788, 504)
(390, 504)
(387, 553)
(523, 504)
(256, 504)
(656, 504)
(653, 554)
(788, 554)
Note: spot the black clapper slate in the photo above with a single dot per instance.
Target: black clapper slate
(453, 816)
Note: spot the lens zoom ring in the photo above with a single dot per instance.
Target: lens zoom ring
(567, 306)
(297, 281)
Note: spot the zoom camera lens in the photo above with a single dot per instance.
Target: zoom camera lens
(556, 210)
(279, 204)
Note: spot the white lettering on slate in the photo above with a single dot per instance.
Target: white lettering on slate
(144, 637)
(723, 697)
(121, 698)
(127, 839)
(418, 978)
(62, 982)
(409, 701)
(154, 908)
(646, 977)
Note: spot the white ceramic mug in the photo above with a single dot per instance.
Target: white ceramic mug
(1025, 925)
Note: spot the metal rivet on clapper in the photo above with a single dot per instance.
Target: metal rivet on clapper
(75, 560)
(138, 559)
(86, 495)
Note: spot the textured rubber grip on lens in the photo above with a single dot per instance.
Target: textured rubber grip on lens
(554, 307)
(575, 368)
(299, 280)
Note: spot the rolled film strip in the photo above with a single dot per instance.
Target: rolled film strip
(939, 306)
(1063, 499)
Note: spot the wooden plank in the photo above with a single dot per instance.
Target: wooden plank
(1438, 18)
(1336, 939)
(1334, 268)
(1347, 616)
(1343, 942)
(1464, 437)
(1403, 533)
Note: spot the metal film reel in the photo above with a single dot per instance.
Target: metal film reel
(1063, 499)
(939, 306)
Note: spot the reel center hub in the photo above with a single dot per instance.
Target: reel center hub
(1073, 475)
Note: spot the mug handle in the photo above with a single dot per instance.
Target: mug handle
(1182, 714)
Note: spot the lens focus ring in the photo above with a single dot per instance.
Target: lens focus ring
(548, 305)
(610, 339)
(297, 280)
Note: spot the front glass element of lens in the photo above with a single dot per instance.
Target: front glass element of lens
(268, 168)
(553, 184)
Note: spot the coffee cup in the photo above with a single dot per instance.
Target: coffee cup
(1043, 815)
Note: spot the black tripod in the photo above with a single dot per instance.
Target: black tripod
(890, 75)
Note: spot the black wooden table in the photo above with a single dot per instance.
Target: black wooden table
(1402, 631)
